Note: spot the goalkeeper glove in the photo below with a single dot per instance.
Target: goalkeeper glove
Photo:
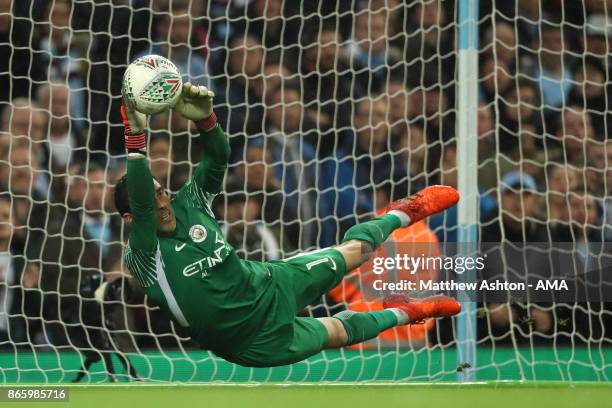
(134, 123)
(195, 103)
(116, 290)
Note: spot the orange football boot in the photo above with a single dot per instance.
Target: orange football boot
(429, 201)
(420, 309)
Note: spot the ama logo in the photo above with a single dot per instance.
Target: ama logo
(560, 284)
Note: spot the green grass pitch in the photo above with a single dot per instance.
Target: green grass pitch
(383, 395)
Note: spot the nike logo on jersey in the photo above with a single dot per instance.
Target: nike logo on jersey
(179, 248)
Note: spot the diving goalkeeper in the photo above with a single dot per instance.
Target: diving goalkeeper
(245, 311)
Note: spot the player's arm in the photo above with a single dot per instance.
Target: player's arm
(141, 192)
(196, 104)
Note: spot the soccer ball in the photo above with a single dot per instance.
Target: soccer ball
(152, 84)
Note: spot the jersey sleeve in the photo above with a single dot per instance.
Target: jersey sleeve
(142, 265)
(208, 178)
(140, 255)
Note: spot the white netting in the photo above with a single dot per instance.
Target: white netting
(333, 108)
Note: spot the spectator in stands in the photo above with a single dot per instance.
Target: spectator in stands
(31, 216)
(528, 16)
(18, 172)
(502, 38)
(520, 117)
(553, 73)
(307, 178)
(488, 160)
(580, 222)
(8, 272)
(495, 77)
(486, 123)
(275, 75)
(241, 88)
(285, 113)
(64, 52)
(580, 230)
(113, 174)
(173, 34)
(583, 257)
(598, 30)
(84, 241)
(446, 225)
(369, 52)
(64, 143)
(118, 34)
(243, 226)
(20, 118)
(276, 25)
(160, 159)
(607, 187)
(375, 160)
(76, 188)
(256, 170)
(518, 209)
(595, 168)
(590, 90)
(294, 156)
(439, 115)
(183, 146)
(560, 180)
(20, 67)
(411, 148)
(430, 45)
(327, 80)
(573, 136)
(19, 293)
(401, 109)
(256, 175)
(517, 224)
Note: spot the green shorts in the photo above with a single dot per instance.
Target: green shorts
(299, 281)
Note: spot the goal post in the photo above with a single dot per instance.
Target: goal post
(467, 175)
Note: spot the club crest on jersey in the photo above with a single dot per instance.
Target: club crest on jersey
(198, 233)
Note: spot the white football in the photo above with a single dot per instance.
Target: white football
(152, 84)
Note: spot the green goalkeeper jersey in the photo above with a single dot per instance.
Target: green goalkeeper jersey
(194, 275)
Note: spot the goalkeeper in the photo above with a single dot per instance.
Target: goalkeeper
(245, 311)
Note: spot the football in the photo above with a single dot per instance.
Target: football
(152, 84)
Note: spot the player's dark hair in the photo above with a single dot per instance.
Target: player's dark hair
(120, 196)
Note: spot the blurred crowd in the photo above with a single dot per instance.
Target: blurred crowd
(333, 109)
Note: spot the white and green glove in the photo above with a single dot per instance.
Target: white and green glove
(196, 103)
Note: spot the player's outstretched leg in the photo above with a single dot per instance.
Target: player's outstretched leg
(348, 327)
(361, 240)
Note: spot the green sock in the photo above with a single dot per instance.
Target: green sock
(375, 231)
(364, 326)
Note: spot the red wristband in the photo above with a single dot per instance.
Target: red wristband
(135, 142)
(207, 124)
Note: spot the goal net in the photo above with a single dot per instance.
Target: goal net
(333, 109)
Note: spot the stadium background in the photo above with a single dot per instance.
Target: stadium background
(333, 110)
